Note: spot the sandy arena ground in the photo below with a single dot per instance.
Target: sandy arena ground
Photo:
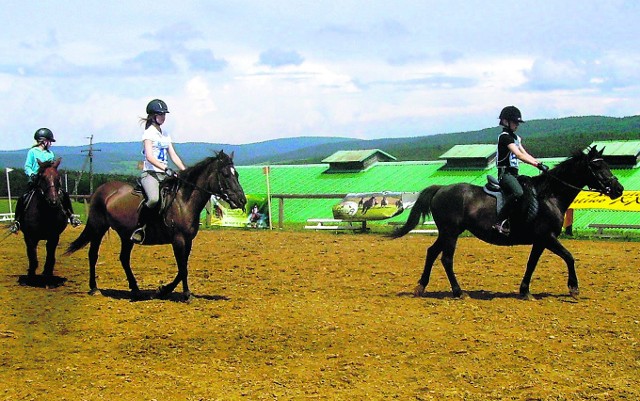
(309, 315)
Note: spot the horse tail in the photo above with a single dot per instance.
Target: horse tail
(419, 211)
(80, 242)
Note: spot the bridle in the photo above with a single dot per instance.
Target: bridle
(221, 181)
(605, 184)
(43, 189)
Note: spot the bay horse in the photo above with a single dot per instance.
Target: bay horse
(459, 207)
(44, 218)
(115, 205)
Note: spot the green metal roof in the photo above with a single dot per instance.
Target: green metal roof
(355, 155)
(470, 151)
(395, 177)
(619, 148)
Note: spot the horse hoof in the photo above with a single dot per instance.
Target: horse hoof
(162, 292)
(574, 292)
(460, 295)
(187, 297)
(418, 291)
(527, 297)
(94, 291)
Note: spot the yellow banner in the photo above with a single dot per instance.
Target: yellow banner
(628, 202)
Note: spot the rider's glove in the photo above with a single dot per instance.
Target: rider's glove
(543, 167)
(169, 172)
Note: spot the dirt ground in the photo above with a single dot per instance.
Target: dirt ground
(310, 315)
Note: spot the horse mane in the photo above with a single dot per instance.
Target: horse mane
(564, 168)
(45, 165)
(191, 174)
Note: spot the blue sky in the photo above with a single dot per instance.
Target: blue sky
(247, 71)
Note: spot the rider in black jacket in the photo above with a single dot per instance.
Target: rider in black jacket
(509, 153)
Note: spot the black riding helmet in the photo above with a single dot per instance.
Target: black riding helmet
(511, 113)
(44, 133)
(157, 106)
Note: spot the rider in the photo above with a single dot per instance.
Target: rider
(157, 150)
(510, 152)
(40, 152)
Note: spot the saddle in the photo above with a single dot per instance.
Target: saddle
(528, 207)
(168, 190)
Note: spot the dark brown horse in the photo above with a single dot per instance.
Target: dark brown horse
(459, 207)
(115, 205)
(44, 218)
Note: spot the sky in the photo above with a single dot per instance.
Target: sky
(247, 71)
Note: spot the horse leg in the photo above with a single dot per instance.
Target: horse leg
(181, 251)
(94, 249)
(432, 254)
(556, 247)
(448, 250)
(52, 245)
(32, 255)
(125, 259)
(534, 257)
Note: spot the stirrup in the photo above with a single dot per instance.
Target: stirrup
(137, 237)
(15, 227)
(75, 222)
(503, 227)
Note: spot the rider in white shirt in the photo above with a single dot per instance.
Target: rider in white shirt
(158, 149)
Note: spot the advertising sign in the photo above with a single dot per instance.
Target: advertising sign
(629, 201)
(373, 205)
(256, 217)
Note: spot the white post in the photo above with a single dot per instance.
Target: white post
(267, 171)
(8, 170)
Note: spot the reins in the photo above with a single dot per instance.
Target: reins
(575, 187)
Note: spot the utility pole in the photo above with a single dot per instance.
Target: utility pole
(90, 157)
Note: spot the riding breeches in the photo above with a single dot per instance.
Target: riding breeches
(511, 188)
(151, 183)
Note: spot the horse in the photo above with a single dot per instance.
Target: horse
(115, 205)
(44, 218)
(459, 207)
(368, 204)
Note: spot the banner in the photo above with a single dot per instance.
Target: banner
(628, 202)
(257, 217)
(373, 205)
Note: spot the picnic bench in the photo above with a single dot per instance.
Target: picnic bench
(601, 227)
(336, 224)
(7, 216)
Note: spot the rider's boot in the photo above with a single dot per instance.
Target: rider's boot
(15, 226)
(503, 226)
(137, 237)
(68, 210)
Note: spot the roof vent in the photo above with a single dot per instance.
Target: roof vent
(353, 161)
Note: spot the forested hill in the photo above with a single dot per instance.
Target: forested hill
(543, 138)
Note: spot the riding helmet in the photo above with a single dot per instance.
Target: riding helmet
(44, 133)
(511, 113)
(157, 106)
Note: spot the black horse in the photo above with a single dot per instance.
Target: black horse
(44, 218)
(459, 207)
(115, 204)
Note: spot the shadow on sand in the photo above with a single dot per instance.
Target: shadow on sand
(41, 281)
(488, 295)
(148, 295)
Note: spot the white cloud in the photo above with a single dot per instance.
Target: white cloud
(247, 71)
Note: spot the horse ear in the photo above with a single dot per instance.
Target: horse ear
(601, 151)
(39, 162)
(57, 162)
(232, 153)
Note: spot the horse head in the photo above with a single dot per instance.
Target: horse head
(600, 176)
(49, 183)
(229, 187)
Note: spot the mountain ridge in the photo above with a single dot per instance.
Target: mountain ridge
(543, 138)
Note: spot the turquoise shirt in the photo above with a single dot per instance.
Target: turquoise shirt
(31, 165)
